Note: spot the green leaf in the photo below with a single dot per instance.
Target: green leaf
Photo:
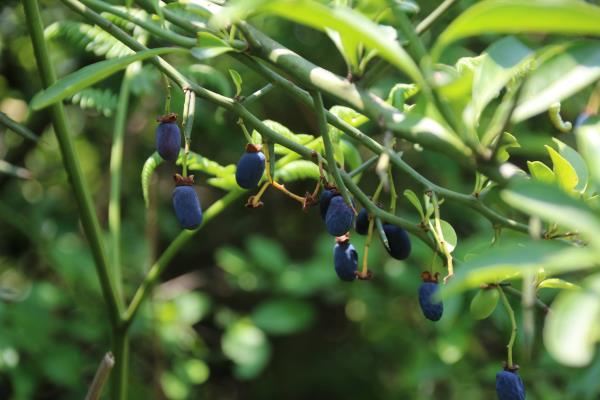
(283, 316)
(401, 92)
(349, 115)
(501, 62)
(147, 170)
(572, 326)
(87, 37)
(508, 141)
(414, 200)
(588, 142)
(103, 101)
(197, 162)
(247, 346)
(297, 170)
(556, 283)
(348, 48)
(553, 205)
(512, 260)
(540, 172)
(90, 74)
(569, 17)
(227, 183)
(351, 154)
(237, 81)
(484, 303)
(348, 23)
(450, 238)
(563, 171)
(576, 161)
(567, 72)
(210, 46)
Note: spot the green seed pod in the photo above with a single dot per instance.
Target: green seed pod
(484, 303)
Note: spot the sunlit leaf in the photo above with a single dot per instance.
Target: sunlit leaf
(570, 70)
(90, 74)
(556, 283)
(553, 205)
(576, 161)
(569, 17)
(588, 141)
(501, 62)
(512, 260)
(563, 171)
(347, 22)
(572, 326)
(541, 172)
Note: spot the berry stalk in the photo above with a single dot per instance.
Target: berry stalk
(513, 321)
(189, 109)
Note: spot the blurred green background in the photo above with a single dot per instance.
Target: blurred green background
(252, 308)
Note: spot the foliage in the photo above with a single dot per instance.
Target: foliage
(463, 108)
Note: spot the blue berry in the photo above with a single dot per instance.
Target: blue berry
(345, 261)
(398, 241)
(509, 386)
(339, 216)
(432, 310)
(324, 199)
(168, 138)
(186, 204)
(580, 120)
(362, 222)
(250, 168)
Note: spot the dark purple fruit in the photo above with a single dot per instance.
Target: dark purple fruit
(345, 260)
(339, 216)
(324, 199)
(362, 222)
(398, 241)
(251, 167)
(168, 137)
(509, 386)
(431, 307)
(186, 204)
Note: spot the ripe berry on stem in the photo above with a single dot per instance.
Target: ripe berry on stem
(251, 167)
(186, 203)
(362, 222)
(509, 385)
(324, 200)
(345, 259)
(432, 308)
(398, 241)
(168, 137)
(339, 217)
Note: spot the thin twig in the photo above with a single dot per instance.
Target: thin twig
(101, 376)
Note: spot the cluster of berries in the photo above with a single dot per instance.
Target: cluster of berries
(339, 220)
(185, 199)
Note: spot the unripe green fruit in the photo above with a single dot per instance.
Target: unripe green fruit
(484, 303)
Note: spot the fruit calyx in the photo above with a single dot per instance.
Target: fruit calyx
(183, 180)
(364, 276)
(427, 276)
(253, 148)
(513, 369)
(167, 118)
(344, 239)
